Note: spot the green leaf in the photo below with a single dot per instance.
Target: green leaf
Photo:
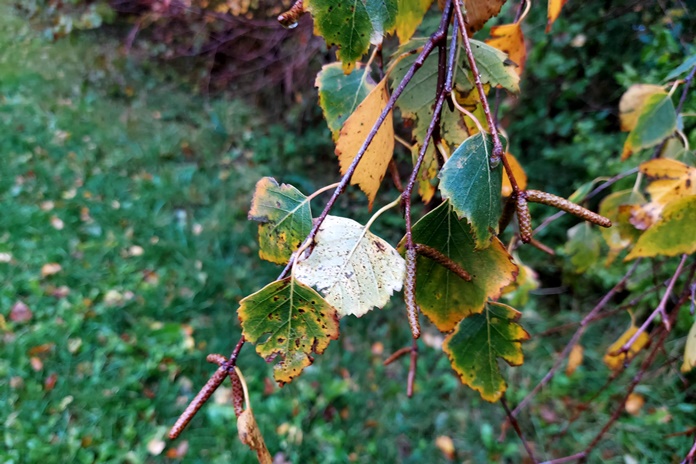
(285, 217)
(657, 121)
(672, 235)
(442, 296)
(340, 94)
(583, 246)
(688, 63)
(419, 96)
(352, 24)
(297, 321)
(409, 16)
(495, 67)
(478, 342)
(473, 187)
(354, 269)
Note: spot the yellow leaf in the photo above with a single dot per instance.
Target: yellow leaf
(574, 359)
(373, 166)
(673, 181)
(508, 38)
(614, 360)
(554, 11)
(446, 445)
(690, 350)
(672, 235)
(518, 172)
(409, 15)
(632, 102)
(634, 403)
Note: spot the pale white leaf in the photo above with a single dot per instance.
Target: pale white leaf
(352, 268)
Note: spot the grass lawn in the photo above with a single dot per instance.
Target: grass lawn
(124, 247)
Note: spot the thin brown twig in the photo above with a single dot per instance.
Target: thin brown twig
(396, 355)
(518, 430)
(575, 338)
(661, 309)
(498, 152)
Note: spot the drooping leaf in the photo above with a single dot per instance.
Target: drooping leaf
(614, 360)
(687, 65)
(250, 435)
(508, 38)
(673, 234)
(657, 121)
(442, 296)
(373, 166)
(617, 208)
(409, 16)
(354, 269)
(340, 94)
(296, 320)
(478, 342)
(583, 246)
(520, 176)
(285, 217)
(478, 12)
(352, 25)
(690, 350)
(554, 11)
(474, 187)
(632, 102)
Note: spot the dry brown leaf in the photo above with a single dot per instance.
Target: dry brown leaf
(632, 102)
(634, 403)
(446, 445)
(374, 163)
(508, 38)
(250, 435)
(574, 359)
(480, 11)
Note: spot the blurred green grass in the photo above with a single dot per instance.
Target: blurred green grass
(138, 188)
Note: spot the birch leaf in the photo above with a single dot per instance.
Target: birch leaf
(690, 350)
(354, 269)
(374, 163)
(478, 342)
(632, 102)
(340, 94)
(554, 11)
(672, 235)
(409, 16)
(656, 122)
(442, 296)
(296, 320)
(508, 38)
(478, 12)
(473, 187)
(352, 25)
(615, 361)
(285, 217)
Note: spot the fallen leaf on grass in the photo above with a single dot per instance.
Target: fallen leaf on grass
(49, 269)
(20, 312)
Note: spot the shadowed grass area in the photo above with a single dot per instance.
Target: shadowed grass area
(123, 230)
